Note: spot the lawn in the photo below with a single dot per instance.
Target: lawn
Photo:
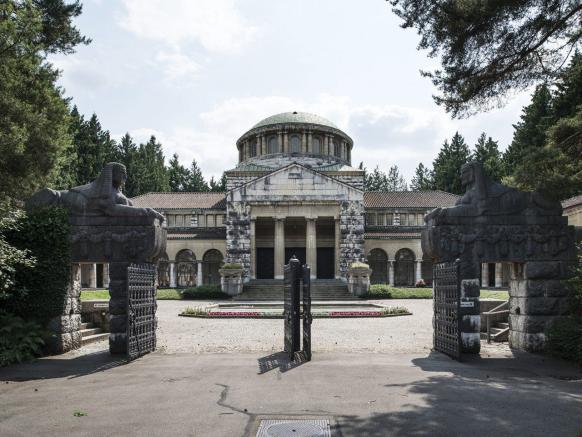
(203, 292)
(381, 291)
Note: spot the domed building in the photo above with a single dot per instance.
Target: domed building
(294, 191)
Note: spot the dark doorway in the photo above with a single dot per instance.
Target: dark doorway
(265, 263)
(299, 253)
(325, 263)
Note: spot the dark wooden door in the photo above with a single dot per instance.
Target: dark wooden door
(265, 263)
(325, 263)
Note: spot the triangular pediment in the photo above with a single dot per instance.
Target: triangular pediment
(294, 182)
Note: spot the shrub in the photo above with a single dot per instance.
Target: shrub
(20, 340)
(359, 265)
(196, 311)
(395, 310)
(203, 292)
(380, 291)
(39, 292)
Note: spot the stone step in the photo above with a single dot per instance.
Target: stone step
(90, 331)
(94, 338)
(86, 325)
(502, 325)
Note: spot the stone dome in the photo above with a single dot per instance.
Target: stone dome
(295, 117)
(295, 137)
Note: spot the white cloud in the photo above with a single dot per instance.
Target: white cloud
(216, 25)
(177, 66)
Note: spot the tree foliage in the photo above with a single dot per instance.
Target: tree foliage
(178, 174)
(487, 152)
(35, 117)
(489, 48)
(423, 179)
(447, 165)
(378, 180)
(196, 181)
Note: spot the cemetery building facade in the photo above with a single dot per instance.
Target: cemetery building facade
(295, 192)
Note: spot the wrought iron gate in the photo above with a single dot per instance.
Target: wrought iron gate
(296, 279)
(141, 310)
(447, 303)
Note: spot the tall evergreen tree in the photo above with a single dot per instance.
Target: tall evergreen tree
(218, 186)
(395, 181)
(568, 95)
(152, 173)
(34, 116)
(94, 147)
(447, 165)
(530, 131)
(487, 152)
(179, 175)
(196, 181)
(127, 154)
(423, 179)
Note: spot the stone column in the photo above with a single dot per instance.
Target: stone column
(325, 145)
(311, 246)
(418, 270)
(172, 274)
(485, 275)
(199, 279)
(106, 275)
(498, 275)
(285, 142)
(309, 142)
(93, 276)
(391, 272)
(304, 143)
(279, 247)
(253, 250)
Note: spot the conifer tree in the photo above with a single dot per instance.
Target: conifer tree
(423, 179)
(447, 165)
(127, 154)
(196, 180)
(218, 186)
(487, 152)
(179, 175)
(150, 168)
(395, 181)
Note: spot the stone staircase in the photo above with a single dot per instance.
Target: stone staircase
(499, 332)
(272, 290)
(90, 333)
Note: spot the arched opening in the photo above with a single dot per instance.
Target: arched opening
(295, 144)
(253, 150)
(186, 268)
(212, 261)
(404, 268)
(163, 272)
(273, 145)
(337, 151)
(316, 145)
(378, 261)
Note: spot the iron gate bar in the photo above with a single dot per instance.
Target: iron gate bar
(141, 310)
(307, 318)
(447, 306)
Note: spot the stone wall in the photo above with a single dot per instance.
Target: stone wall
(238, 236)
(66, 334)
(351, 235)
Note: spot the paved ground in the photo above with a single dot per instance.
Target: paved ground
(405, 334)
(376, 392)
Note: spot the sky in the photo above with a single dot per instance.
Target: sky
(198, 74)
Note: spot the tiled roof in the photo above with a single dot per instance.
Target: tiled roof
(166, 200)
(391, 235)
(408, 199)
(572, 201)
(252, 167)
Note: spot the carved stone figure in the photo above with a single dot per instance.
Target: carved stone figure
(485, 197)
(103, 196)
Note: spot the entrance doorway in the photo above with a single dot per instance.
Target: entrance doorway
(265, 263)
(298, 252)
(325, 263)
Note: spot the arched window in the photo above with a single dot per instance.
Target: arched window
(273, 145)
(253, 150)
(378, 261)
(337, 150)
(316, 145)
(295, 144)
(163, 272)
(404, 267)
(186, 268)
(212, 262)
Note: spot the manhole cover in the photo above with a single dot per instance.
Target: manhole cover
(294, 428)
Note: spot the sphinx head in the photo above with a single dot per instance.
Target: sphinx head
(118, 175)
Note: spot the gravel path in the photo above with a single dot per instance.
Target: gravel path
(403, 334)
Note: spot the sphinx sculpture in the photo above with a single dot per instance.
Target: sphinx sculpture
(103, 196)
(485, 197)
